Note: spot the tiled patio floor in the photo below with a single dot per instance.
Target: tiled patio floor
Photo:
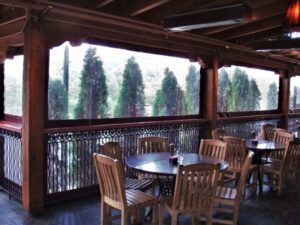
(267, 210)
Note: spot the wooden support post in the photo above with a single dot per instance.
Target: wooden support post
(283, 99)
(2, 60)
(34, 95)
(209, 92)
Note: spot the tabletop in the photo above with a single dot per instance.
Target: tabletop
(264, 145)
(158, 163)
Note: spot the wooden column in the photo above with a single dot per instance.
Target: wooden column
(34, 91)
(2, 60)
(209, 87)
(283, 99)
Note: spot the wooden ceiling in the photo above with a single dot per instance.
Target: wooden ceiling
(263, 29)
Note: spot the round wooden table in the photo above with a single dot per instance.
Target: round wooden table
(158, 164)
(260, 149)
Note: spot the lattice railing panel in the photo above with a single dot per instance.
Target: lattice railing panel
(243, 128)
(69, 155)
(292, 122)
(11, 163)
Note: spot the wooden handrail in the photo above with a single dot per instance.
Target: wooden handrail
(252, 117)
(121, 125)
(15, 127)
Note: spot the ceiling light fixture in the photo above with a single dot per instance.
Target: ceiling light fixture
(292, 15)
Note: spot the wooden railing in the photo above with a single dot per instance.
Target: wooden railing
(11, 159)
(242, 126)
(70, 171)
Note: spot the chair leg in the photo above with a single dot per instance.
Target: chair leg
(280, 183)
(235, 215)
(161, 215)
(124, 218)
(174, 219)
(209, 218)
(154, 214)
(104, 213)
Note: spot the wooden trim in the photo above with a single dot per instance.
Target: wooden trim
(243, 118)
(1, 91)
(120, 125)
(15, 127)
(33, 189)
(13, 119)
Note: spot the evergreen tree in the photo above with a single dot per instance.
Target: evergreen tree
(92, 100)
(254, 96)
(295, 97)
(224, 91)
(57, 100)
(240, 91)
(192, 91)
(169, 100)
(131, 101)
(66, 74)
(272, 101)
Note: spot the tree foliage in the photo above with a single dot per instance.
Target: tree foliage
(169, 99)
(254, 96)
(224, 91)
(192, 91)
(131, 101)
(57, 100)
(66, 75)
(272, 100)
(92, 100)
(240, 91)
(295, 98)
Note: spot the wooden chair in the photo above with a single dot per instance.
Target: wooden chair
(110, 179)
(153, 144)
(281, 129)
(228, 199)
(213, 148)
(281, 137)
(267, 131)
(276, 172)
(236, 156)
(195, 188)
(113, 150)
(218, 134)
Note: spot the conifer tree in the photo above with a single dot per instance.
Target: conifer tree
(224, 91)
(57, 107)
(192, 91)
(272, 100)
(92, 100)
(254, 96)
(169, 100)
(131, 100)
(66, 75)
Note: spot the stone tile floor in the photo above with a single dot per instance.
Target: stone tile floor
(270, 209)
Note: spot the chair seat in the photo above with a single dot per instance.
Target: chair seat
(239, 169)
(136, 198)
(137, 184)
(226, 192)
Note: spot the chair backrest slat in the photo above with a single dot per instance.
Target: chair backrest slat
(218, 134)
(244, 175)
(268, 131)
(291, 160)
(236, 151)
(110, 179)
(152, 144)
(195, 187)
(282, 138)
(213, 148)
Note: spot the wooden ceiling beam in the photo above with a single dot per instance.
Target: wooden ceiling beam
(16, 39)
(277, 44)
(251, 28)
(103, 3)
(141, 6)
(12, 26)
(258, 13)
(247, 40)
